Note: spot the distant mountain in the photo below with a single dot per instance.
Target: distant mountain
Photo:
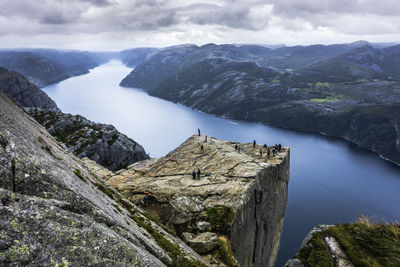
(363, 63)
(23, 92)
(135, 56)
(46, 66)
(346, 90)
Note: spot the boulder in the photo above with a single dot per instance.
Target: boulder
(204, 242)
(203, 226)
(181, 210)
(294, 263)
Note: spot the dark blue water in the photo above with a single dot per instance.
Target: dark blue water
(331, 182)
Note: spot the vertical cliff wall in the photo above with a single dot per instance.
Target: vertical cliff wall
(258, 223)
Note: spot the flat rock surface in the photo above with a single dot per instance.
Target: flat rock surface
(226, 173)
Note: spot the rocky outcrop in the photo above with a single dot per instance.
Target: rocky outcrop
(241, 194)
(56, 211)
(348, 245)
(99, 142)
(23, 92)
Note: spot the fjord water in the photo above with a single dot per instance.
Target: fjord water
(332, 181)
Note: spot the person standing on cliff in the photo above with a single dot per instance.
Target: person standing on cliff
(194, 174)
(198, 174)
(236, 147)
(205, 139)
(146, 197)
(202, 148)
(239, 148)
(268, 153)
(198, 131)
(254, 143)
(261, 152)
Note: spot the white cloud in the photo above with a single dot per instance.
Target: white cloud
(117, 24)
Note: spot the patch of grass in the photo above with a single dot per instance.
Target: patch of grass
(117, 207)
(327, 99)
(105, 190)
(225, 252)
(366, 244)
(79, 174)
(369, 244)
(316, 254)
(322, 85)
(178, 258)
(220, 217)
(157, 221)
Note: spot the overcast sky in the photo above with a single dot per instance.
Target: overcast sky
(120, 24)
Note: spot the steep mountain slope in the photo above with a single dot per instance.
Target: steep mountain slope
(135, 56)
(170, 61)
(46, 66)
(55, 211)
(364, 63)
(23, 92)
(361, 105)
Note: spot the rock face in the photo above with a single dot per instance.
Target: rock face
(240, 194)
(55, 211)
(23, 92)
(99, 142)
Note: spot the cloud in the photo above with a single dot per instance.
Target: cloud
(202, 21)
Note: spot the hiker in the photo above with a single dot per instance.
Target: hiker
(236, 147)
(202, 148)
(194, 174)
(254, 143)
(265, 145)
(239, 148)
(198, 174)
(146, 197)
(198, 130)
(260, 152)
(205, 139)
(268, 153)
(274, 152)
(279, 147)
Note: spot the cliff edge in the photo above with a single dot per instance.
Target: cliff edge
(238, 204)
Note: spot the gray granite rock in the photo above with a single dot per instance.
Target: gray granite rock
(99, 142)
(204, 242)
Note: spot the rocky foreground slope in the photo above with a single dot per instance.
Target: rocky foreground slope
(239, 200)
(99, 142)
(55, 212)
